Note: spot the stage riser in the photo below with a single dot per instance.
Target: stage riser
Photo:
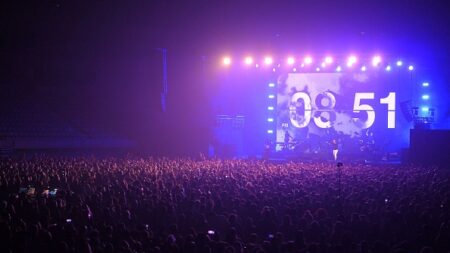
(430, 147)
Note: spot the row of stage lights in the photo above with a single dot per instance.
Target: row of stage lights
(328, 61)
(271, 108)
(425, 108)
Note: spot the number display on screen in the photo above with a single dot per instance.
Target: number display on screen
(301, 109)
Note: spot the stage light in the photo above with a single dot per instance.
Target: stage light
(338, 69)
(411, 68)
(248, 60)
(388, 68)
(274, 70)
(308, 60)
(226, 61)
(426, 84)
(323, 65)
(425, 97)
(399, 63)
(302, 65)
(363, 68)
(294, 70)
(317, 69)
(290, 60)
(376, 60)
(271, 84)
(271, 96)
(328, 60)
(270, 108)
(268, 60)
(270, 131)
(269, 119)
(424, 109)
(256, 65)
(351, 60)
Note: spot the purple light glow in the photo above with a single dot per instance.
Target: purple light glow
(376, 60)
(290, 60)
(351, 61)
(308, 60)
(268, 60)
(328, 60)
(226, 61)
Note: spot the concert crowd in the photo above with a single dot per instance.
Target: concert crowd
(89, 204)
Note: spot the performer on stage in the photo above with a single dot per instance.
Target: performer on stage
(287, 138)
(267, 147)
(335, 147)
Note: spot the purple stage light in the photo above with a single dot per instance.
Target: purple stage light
(411, 68)
(338, 69)
(376, 60)
(268, 60)
(226, 61)
(270, 131)
(290, 60)
(351, 60)
(363, 68)
(248, 60)
(388, 68)
(425, 97)
(399, 63)
(308, 60)
(328, 60)
(425, 84)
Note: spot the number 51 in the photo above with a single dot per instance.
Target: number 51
(358, 107)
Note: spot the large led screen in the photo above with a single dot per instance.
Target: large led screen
(359, 110)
